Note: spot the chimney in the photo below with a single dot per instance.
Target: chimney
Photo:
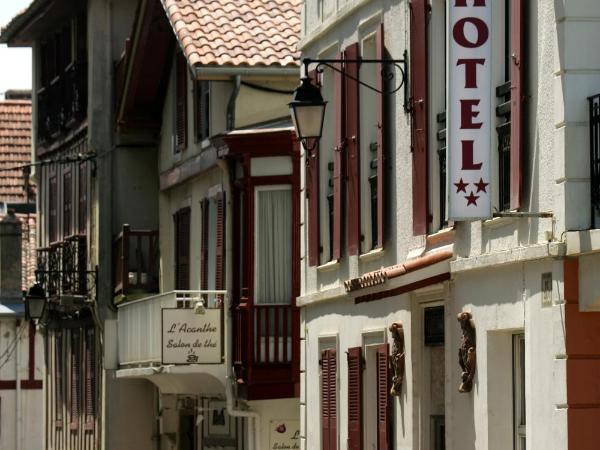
(10, 259)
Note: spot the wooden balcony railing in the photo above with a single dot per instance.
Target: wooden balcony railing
(136, 261)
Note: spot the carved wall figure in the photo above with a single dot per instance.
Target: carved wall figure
(397, 359)
(467, 352)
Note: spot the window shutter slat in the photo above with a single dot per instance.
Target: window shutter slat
(516, 100)
(204, 245)
(419, 102)
(220, 247)
(353, 148)
(181, 103)
(312, 187)
(74, 404)
(381, 131)
(354, 398)
(325, 400)
(383, 405)
(332, 399)
(90, 377)
(338, 82)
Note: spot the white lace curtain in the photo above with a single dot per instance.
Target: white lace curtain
(273, 269)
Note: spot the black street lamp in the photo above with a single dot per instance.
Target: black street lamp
(308, 113)
(35, 302)
(308, 108)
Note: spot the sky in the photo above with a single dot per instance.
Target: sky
(15, 63)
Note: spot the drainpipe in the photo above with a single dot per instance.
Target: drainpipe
(230, 378)
(232, 103)
(18, 381)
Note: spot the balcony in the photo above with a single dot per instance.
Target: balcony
(191, 334)
(136, 263)
(62, 104)
(62, 269)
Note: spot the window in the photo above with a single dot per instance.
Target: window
(202, 109)
(182, 249)
(181, 92)
(67, 203)
(519, 399)
(53, 209)
(434, 326)
(273, 245)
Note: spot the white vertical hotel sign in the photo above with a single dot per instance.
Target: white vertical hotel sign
(469, 109)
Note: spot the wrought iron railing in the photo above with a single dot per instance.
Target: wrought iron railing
(62, 269)
(594, 111)
(136, 261)
(503, 129)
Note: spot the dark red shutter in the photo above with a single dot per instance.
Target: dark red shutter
(75, 400)
(418, 83)
(354, 398)
(329, 399)
(383, 392)
(381, 130)
(516, 103)
(312, 188)
(182, 249)
(220, 247)
(352, 52)
(181, 103)
(204, 245)
(339, 144)
(90, 377)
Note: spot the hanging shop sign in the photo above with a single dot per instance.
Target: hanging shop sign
(189, 338)
(469, 110)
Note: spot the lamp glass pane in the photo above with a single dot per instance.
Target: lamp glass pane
(308, 120)
(36, 307)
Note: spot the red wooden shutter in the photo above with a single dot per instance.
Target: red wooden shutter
(182, 249)
(338, 82)
(74, 404)
(418, 82)
(312, 188)
(381, 130)
(329, 399)
(383, 392)
(220, 247)
(181, 103)
(354, 399)
(516, 103)
(90, 378)
(204, 245)
(353, 148)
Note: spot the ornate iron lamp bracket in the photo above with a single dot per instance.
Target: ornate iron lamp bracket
(389, 69)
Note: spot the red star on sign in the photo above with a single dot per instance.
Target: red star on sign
(481, 185)
(461, 186)
(471, 199)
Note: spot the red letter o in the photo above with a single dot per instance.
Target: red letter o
(483, 33)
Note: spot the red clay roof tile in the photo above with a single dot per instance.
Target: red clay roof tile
(237, 32)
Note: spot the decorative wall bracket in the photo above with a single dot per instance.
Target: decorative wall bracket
(397, 360)
(389, 68)
(467, 352)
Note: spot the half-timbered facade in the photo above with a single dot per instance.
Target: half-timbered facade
(204, 131)
(386, 272)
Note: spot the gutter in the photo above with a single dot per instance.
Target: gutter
(229, 71)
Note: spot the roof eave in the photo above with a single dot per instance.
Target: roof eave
(211, 72)
(10, 34)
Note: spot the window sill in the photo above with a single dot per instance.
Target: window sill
(329, 266)
(372, 255)
(498, 222)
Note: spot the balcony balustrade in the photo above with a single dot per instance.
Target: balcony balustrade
(141, 342)
(136, 262)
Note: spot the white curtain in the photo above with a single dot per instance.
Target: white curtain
(273, 269)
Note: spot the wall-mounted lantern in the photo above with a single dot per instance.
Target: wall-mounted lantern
(35, 302)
